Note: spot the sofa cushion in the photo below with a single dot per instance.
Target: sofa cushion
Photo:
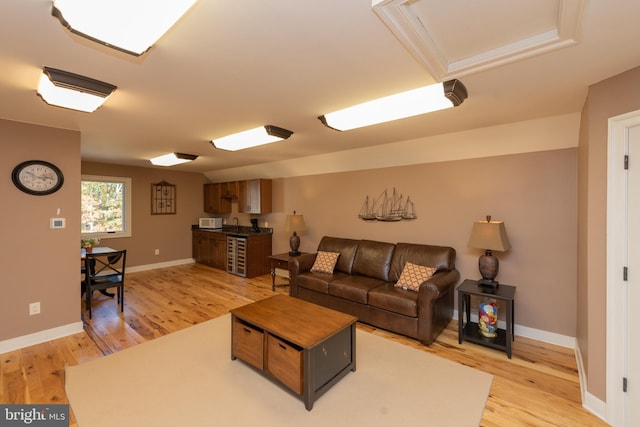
(346, 247)
(373, 259)
(318, 282)
(388, 297)
(440, 257)
(353, 288)
(413, 275)
(325, 262)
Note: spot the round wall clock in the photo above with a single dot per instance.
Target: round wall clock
(37, 177)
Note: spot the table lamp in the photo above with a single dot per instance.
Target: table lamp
(294, 223)
(490, 236)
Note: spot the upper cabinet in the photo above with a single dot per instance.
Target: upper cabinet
(255, 196)
(213, 201)
(229, 190)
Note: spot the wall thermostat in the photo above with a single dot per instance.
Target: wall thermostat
(57, 223)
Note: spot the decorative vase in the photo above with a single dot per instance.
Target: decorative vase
(488, 318)
(88, 249)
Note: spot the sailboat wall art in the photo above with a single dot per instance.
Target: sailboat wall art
(390, 206)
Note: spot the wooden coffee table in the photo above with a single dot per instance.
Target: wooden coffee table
(306, 347)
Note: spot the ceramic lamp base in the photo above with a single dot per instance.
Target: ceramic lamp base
(294, 243)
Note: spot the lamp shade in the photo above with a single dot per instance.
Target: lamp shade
(295, 223)
(490, 235)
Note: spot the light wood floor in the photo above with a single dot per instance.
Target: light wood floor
(538, 387)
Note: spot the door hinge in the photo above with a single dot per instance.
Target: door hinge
(625, 273)
(626, 161)
(624, 384)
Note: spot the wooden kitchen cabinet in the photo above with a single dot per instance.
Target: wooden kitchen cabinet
(200, 242)
(213, 201)
(255, 196)
(229, 190)
(258, 253)
(210, 248)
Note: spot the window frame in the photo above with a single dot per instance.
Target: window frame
(128, 220)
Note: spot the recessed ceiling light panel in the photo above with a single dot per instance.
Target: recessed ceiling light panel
(69, 90)
(398, 106)
(252, 138)
(127, 25)
(172, 159)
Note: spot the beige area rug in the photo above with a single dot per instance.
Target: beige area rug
(187, 378)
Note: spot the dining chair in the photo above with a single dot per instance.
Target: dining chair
(103, 271)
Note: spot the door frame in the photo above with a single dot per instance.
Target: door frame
(617, 187)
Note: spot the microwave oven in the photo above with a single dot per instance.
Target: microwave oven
(210, 223)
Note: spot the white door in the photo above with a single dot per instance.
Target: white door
(632, 338)
(623, 295)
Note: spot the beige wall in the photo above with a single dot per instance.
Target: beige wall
(171, 234)
(609, 98)
(38, 264)
(28, 241)
(534, 193)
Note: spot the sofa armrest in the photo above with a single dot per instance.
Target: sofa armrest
(299, 264)
(435, 304)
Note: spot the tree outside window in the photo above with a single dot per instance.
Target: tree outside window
(106, 206)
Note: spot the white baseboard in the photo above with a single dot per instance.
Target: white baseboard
(40, 337)
(73, 328)
(589, 401)
(536, 334)
(160, 265)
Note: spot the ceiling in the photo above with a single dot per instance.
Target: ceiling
(231, 66)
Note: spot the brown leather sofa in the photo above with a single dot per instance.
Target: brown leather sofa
(362, 284)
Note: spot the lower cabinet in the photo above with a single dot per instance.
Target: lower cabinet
(210, 248)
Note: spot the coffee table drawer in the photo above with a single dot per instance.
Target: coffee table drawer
(284, 362)
(248, 343)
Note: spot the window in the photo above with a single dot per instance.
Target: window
(106, 206)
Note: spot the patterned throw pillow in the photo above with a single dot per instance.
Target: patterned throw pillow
(413, 275)
(325, 262)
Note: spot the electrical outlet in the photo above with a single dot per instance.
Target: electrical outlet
(157, 251)
(34, 308)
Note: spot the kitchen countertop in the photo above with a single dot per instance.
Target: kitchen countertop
(232, 230)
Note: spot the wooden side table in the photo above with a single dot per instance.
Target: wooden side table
(468, 330)
(279, 261)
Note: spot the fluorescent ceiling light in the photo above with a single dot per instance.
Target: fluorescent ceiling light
(251, 138)
(69, 90)
(131, 26)
(172, 159)
(406, 104)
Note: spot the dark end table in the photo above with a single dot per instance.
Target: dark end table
(280, 261)
(468, 330)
